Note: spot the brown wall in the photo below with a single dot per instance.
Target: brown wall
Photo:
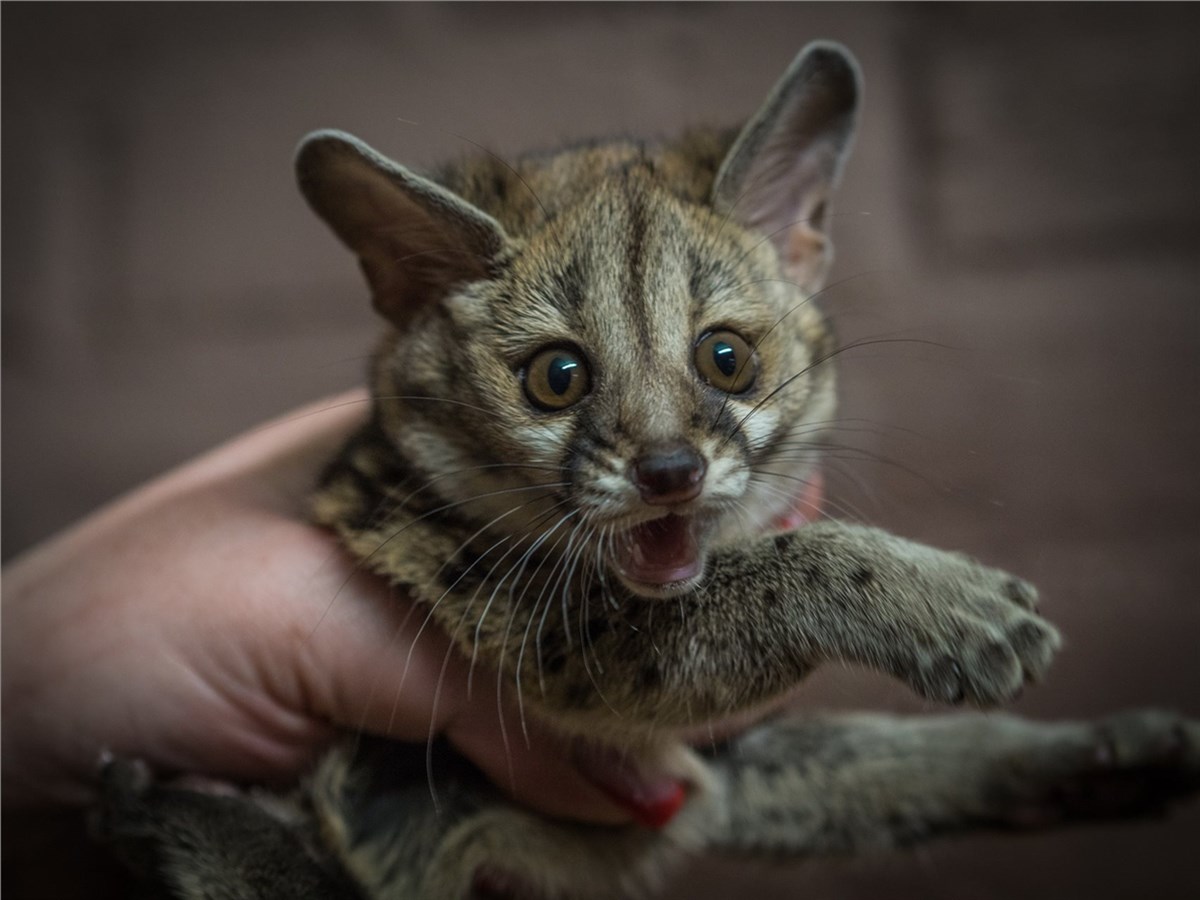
(1023, 194)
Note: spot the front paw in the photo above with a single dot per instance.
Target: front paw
(982, 663)
(972, 633)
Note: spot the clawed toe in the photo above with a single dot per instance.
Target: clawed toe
(988, 665)
(1035, 643)
(1021, 592)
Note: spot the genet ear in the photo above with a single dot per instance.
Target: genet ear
(778, 175)
(415, 240)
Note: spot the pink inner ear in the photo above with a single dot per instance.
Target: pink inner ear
(405, 274)
(415, 240)
(804, 244)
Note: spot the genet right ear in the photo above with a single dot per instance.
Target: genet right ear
(415, 240)
(778, 176)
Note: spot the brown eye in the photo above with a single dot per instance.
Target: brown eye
(556, 378)
(726, 362)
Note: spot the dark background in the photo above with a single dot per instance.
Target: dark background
(1023, 194)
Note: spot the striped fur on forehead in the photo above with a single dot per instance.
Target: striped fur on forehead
(525, 193)
(632, 271)
(633, 260)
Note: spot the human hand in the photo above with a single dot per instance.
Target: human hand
(201, 624)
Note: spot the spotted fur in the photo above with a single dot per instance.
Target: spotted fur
(506, 519)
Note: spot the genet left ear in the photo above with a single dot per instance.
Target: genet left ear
(415, 240)
(778, 176)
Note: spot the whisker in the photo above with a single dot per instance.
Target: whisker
(808, 299)
(569, 556)
(854, 345)
(375, 685)
(533, 613)
(500, 662)
(852, 454)
(379, 515)
(298, 417)
(434, 606)
(837, 506)
(450, 650)
(498, 585)
(457, 503)
(448, 400)
(585, 632)
(361, 564)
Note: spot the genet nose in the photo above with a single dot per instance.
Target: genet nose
(668, 474)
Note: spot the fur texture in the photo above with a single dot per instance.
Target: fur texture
(604, 379)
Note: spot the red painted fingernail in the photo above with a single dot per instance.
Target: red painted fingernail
(657, 813)
(652, 799)
(654, 809)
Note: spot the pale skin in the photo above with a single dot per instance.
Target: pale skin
(201, 624)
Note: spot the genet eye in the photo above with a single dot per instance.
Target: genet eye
(726, 361)
(556, 378)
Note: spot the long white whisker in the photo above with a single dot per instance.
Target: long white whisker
(533, 613)
(498, 584)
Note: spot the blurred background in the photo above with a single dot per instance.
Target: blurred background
(1023, 195)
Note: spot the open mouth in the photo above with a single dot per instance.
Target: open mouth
(666, 555)
(663, 554)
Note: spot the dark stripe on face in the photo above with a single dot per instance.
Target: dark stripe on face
(698, 277)
(710, 277)
(394, 471)
(372, 444)
(572, 459)
(586, 444)
(636, 254)
(569, 285)
(397, 479)
(373, 503)
(726, 425)
(767, 448)
(592, 434)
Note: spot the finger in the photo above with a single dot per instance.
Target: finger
(529, 762)
(379, 663)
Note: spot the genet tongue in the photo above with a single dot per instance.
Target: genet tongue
(659, 552)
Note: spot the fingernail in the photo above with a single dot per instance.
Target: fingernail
(652, 799)
(659, 811)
